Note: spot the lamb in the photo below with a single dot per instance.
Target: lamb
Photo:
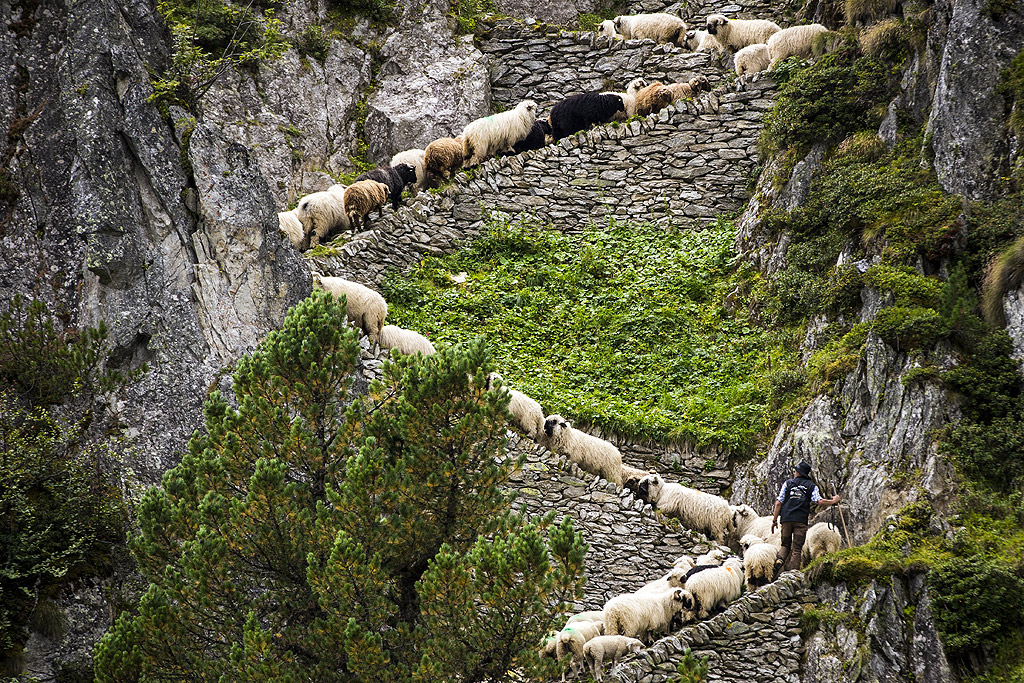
(536, 138)
(526, 413)
(628, 99)
(288, 222)
(485, 137)
(696, 85)
(737, 33)
(572, 639)
(579, 112)
(608, 649)
(795, 41)
(659, 27)
(745, 521)
(652, 99)
(697, 510)
(548, 645)
(675, 578)
(417, 159)
(758, 561)
(594, 455)
(366, 308)
(715, 587)
(363, 197)
(752, 59)
(395, 177)
(645, 615)
(821, 539)
(405, 341)
(443, 157)
(322, 214)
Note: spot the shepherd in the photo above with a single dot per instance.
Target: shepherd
(794, 503)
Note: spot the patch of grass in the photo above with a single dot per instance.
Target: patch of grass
(859, 11)
(1012, 88)
(621, 327)
(469, 13)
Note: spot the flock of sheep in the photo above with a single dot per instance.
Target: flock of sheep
(758, 43)
(692, 588)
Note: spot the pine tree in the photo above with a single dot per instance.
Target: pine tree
(307, 535)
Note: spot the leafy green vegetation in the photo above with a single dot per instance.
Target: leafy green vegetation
(62, 517)
(691, 668)
(469, 13)
(833, 97)
(622, 327)
(211, 37)
(312, 535)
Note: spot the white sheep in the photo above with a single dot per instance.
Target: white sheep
(594, 455)
(821, 539)
(592, 615)
(417, 159)
(685, 562)
(715, 587)
(752, 59)
(659, 27)
(645, 615)
(608, 649)
(492, 134)
(607, 29)
(737, 33)
(631, 476)
(715, 556)
(405, 341)
(697, 510)
(745, 520)
(572, 639)
(366, 308)
(795, 41)
(321, 214)
(291, 226)
(628, 99)
(758, 561)
(675, 578)
(702, 41)
(526, 413)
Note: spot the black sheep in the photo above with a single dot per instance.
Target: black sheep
(579, 112)
(395, 177)
(535, 140)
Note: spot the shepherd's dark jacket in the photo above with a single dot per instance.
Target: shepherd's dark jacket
(796, 507)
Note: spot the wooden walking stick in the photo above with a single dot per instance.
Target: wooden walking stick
(842, 517)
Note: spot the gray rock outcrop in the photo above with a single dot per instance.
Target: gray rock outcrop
(431, 84)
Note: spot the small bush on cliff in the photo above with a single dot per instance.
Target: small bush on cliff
(62, 516)
(975, 600)
(310, 536)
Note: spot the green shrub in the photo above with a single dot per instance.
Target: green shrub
(692, 669)
(468, 13)
(61, 516)
(975, 600)
(827, 100)
(1012, 87)
(910, 327)
(314, 42)
(909, 287)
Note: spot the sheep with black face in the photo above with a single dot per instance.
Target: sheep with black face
(594, 455)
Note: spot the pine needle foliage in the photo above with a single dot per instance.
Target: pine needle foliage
(310, 535)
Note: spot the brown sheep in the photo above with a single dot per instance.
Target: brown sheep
(652, 99)
(697, 85)
(364, 196)
(443, 157)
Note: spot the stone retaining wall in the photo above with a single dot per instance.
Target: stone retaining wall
(683, 166)
(630, 543)
(755, 640)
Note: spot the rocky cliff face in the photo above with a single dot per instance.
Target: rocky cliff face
(182, 258)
